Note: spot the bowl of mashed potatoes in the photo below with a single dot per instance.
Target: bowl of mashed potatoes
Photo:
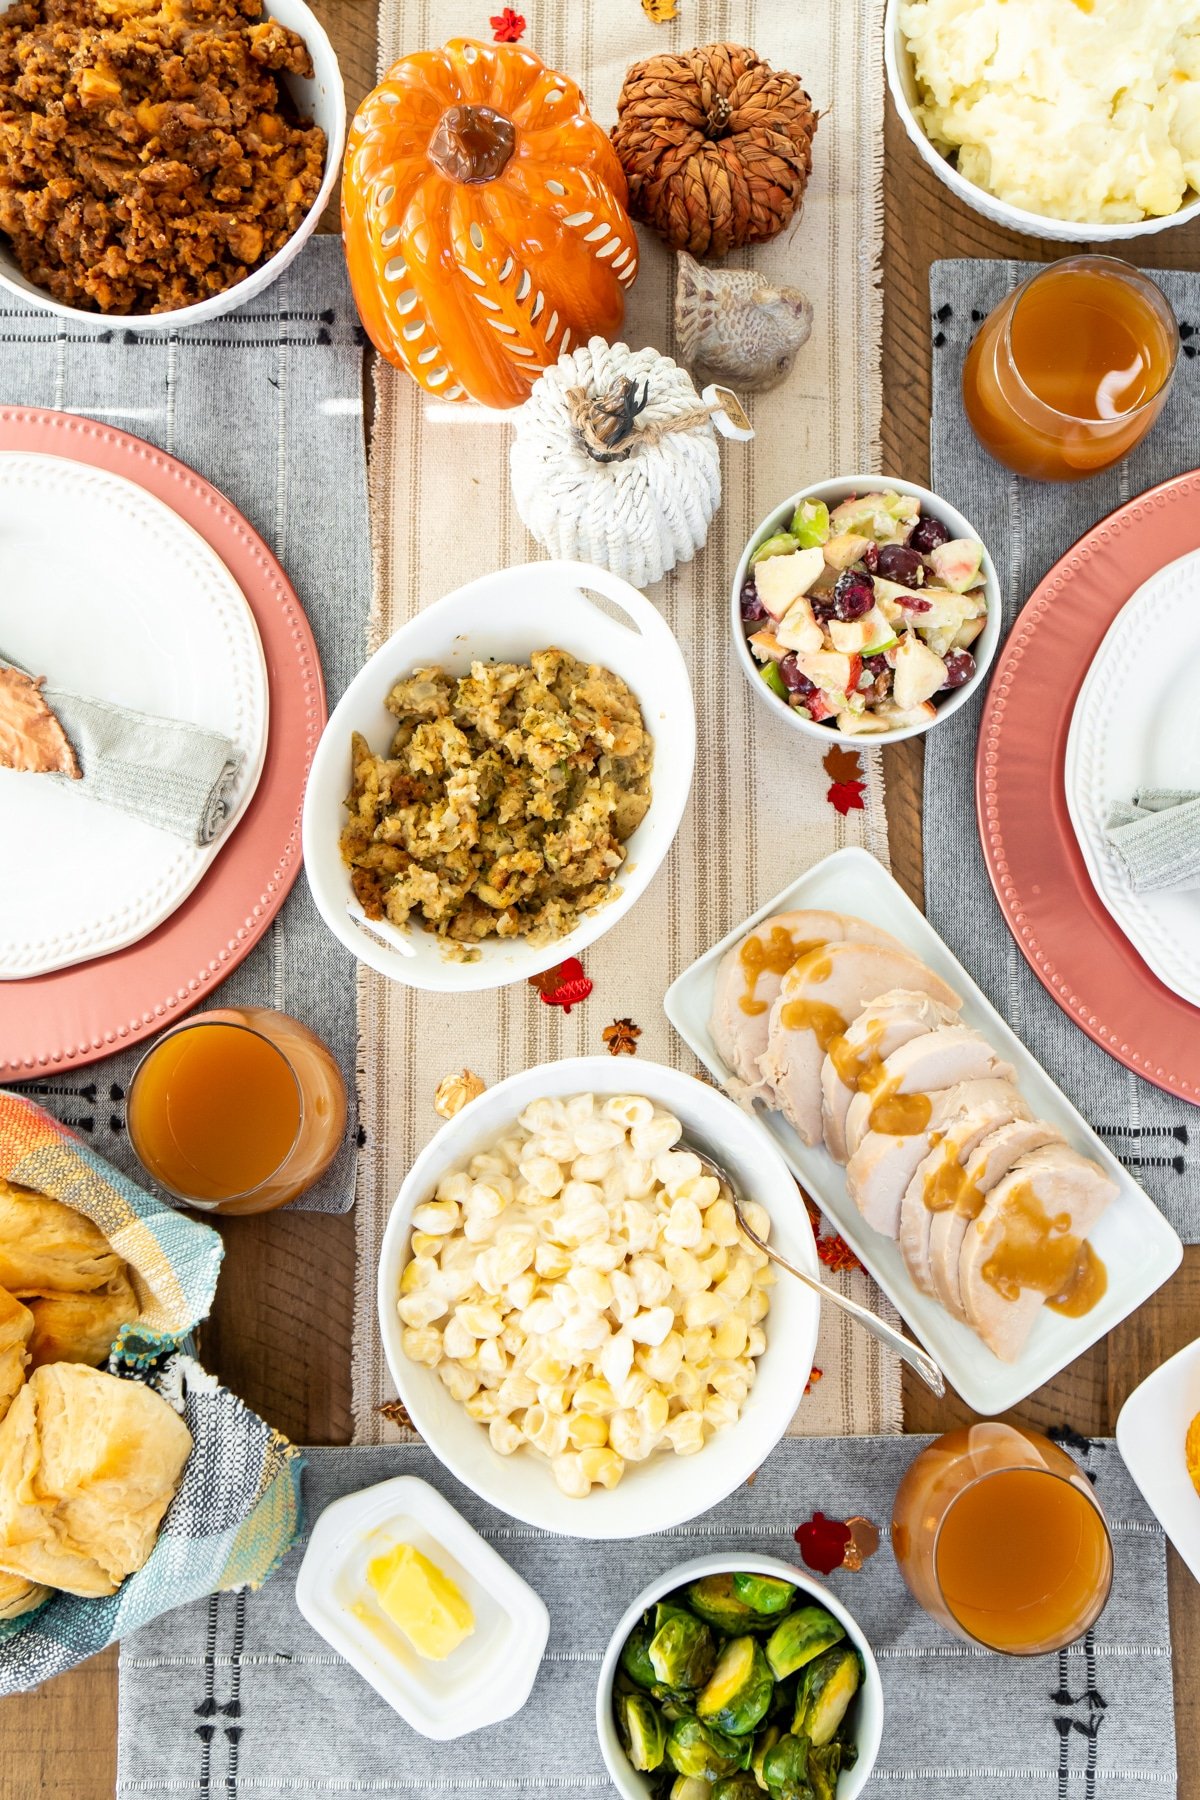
(1069, 119)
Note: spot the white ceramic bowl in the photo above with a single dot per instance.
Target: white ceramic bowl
(869, 1701)
(902, 82)
(665, 1490)
(321, 99)
(833, 492)
(1151, 1430)
(507, 616)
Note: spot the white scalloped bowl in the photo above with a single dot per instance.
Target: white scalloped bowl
(507, 616)
(320, 98)
(903, 86)
(665, 1490)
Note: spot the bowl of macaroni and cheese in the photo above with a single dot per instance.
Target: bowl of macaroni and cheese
(568, 1310)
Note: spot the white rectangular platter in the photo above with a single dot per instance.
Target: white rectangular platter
(1137, 1246)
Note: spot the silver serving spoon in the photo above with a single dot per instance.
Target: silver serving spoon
(910, 1353)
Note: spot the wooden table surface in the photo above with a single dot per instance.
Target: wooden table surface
(280, 1332)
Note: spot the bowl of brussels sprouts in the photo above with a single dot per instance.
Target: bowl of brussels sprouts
(733, 1677)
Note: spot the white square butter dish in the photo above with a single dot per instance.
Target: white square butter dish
(489, 1676)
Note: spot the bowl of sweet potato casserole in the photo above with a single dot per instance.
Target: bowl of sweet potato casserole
(161, 159)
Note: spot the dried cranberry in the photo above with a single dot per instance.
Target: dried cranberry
(898, 563)
(960, 666)
(870, 558)
(853, 596)
(928, 534)
(752, 607)
(793, 677)
(824, 608)
(878, 665)
(911, 603)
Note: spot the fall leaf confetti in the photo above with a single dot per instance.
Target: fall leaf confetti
(621, 1037)
(832, 1249)
(396, 1413)
(659, 11)
(847, 786)
(508, 27)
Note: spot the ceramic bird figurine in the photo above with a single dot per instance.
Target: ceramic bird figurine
(733, 325)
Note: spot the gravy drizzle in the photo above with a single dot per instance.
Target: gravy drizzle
(1043, 1254)
(776, 955)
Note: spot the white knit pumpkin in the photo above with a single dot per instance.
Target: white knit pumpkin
(640, 513)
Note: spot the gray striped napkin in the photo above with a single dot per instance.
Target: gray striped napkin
(238, 1696)
(266, 403)
(1028, 525)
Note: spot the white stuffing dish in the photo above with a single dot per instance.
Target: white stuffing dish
(1138, 1248)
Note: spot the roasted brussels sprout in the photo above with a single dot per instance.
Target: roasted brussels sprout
(640, 1730)
(826, 1689)
(682, 1651)
(766, 1740)
(785, 1769)
(801, 1636)
(695, 1748)
(766, 1595)
(635, 1656)
(824, 1767)
(736, 1787)
(671, 1705)
(688, 1787)
(739, 1690)
(714, 1599)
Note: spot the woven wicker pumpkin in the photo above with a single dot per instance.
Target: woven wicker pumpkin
(484, 218)
(716, 146)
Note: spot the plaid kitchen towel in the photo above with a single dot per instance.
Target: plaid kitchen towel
(238, 1505)
(266, 403)
(1028, 525)
(294, 1722)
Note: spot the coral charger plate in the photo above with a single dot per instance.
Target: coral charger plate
(72, 1016)
(1075, 948)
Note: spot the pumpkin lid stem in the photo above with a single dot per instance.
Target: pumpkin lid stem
(606, 424)
(472, 143)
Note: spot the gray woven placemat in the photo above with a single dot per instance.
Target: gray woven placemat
(1028, 526)
(237, 1696)
(266, 404)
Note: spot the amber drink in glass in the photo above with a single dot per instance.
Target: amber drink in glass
(1001, 1539)
(238, 1110)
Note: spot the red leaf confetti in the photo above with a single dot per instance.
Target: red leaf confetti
(565, 985)
(846, 796)
(823, 1542)
(508, 27)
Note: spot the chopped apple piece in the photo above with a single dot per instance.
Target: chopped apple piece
(866, 636)
(958, 564)
(780, 580)
(839, 552)
(767, 647)
(861, 724)
(968, 631)
(895, 717)
(828, 668)
(798, 629)
(920, 673)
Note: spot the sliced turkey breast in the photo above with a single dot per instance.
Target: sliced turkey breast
(987, 1164)
(818, 998)
(749, 976)
(1027, 1245)
(936, 1059)
(881, 1028)
(947, 1181)
(885, 1162)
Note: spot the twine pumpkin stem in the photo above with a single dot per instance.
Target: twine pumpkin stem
(606, 425)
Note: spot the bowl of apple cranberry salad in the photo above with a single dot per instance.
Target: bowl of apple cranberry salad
(865, 606)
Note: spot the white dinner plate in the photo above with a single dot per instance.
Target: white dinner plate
(1151, 1431)
(106, 592)
(1137, 1246)
(1136, 725)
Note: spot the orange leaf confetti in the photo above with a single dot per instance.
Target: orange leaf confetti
(396, 1413)
(814, 1375)
(841, 764)
(659, 11)
(833, 1250)
(508, 27)
(621, 1037)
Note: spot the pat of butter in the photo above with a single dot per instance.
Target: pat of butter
(416, 1595)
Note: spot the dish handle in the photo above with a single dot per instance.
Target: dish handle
(641, 615)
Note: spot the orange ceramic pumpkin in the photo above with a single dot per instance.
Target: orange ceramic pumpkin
(484, 217)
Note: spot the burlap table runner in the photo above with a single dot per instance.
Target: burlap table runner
(759, 815)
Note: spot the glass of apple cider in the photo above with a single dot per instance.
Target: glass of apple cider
(237, 1110)
(1001, 1539)
(1072, 370)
